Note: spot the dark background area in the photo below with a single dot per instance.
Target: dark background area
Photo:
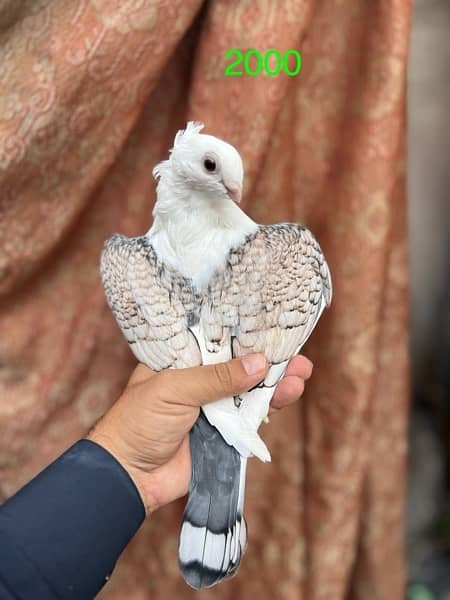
(428, 531)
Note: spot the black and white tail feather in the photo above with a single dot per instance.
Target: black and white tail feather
(213, 535)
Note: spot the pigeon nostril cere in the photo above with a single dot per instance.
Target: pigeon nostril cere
(234, 193)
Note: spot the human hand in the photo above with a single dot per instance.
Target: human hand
(147, 429)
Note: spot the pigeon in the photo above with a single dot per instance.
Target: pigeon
(206, 284)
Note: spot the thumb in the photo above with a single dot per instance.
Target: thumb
(199, 385)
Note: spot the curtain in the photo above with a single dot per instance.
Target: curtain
(91, 95)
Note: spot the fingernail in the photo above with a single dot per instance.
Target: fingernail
(253, 363)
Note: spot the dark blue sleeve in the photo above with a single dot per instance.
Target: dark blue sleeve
(62, 533)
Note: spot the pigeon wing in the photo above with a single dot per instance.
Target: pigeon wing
(152, 303)
(270, 297)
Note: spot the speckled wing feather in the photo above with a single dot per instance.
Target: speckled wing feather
(152, 303)
(269, 299)
(287, 285)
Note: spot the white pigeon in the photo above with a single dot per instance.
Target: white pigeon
(203, 285)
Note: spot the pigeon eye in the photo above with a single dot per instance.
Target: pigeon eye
(210, 165)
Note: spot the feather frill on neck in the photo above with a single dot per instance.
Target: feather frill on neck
(192, 231)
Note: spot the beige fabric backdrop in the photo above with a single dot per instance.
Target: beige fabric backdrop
(91, 93)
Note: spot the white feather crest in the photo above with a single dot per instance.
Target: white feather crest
(192, 128)
(183, 135)
(158, 169)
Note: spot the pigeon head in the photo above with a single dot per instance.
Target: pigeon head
(203, 164)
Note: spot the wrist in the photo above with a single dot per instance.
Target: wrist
(112, 446)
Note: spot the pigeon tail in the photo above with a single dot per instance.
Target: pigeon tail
(213, 535)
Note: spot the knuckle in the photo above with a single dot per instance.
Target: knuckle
(140, 374)
(223, 376)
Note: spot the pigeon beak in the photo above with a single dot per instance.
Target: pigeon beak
(234, 191)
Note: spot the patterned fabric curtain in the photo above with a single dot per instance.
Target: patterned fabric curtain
(91, 94)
